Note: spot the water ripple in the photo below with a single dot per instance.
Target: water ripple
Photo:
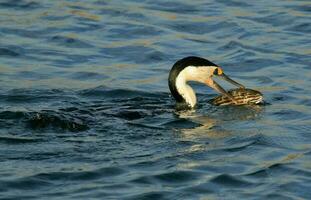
(85, 110)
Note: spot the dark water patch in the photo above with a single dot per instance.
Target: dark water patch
(88, 76)
(240, 147)
(30, 75)
(111, 12)
(28, 183)
(261, 173)
(151, 165)
(177, 177)
(70, 42)
(234, 3)
(259, 79)
(304, 8)
(49, 119)
(34, 96)
(146, 125)
(282, 97)
(135, 15)
(279, 98)
(291, 56)
(306, 102)
(25, 33)
(243, 140)
(145, 180)
(8, 52)
(304, 61)
(302, 28)
(134, 54)
(236, 53)
(18, 140)
(174, 7)
(202, 28)
(117, 187)
(46, 155)
(301, 189)
(89, 27)
(281, 142)
(296, 89)
(247, 64)
(134, 31)
(181, 123)
(230, 181)
(202, 188)
(11, 115)
(130, 115)
(270, 170)
(273, 195)
(80, 176)
(54, 18)
(79, 110)
(288, 114)
(20, 4)
(276, 19)
(102, 91)
(72, 59)
(83, 27)
(152, 195)
(200, 41)
(45, 54)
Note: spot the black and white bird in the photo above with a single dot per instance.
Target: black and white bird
(195, 69)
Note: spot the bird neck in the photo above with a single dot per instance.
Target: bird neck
(185, 90)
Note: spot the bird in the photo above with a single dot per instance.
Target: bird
(196, 69)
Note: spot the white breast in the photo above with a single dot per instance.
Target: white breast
(183, 88)
(191, 73)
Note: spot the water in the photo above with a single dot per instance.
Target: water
(85, 110)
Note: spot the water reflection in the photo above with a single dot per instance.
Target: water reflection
(211, 125)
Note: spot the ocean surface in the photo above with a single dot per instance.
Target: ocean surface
(86, 113)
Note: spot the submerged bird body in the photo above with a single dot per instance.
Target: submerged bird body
(199, 70)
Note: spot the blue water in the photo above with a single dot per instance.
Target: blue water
(85, 110)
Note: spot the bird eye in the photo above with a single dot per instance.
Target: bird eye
(215, 71)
